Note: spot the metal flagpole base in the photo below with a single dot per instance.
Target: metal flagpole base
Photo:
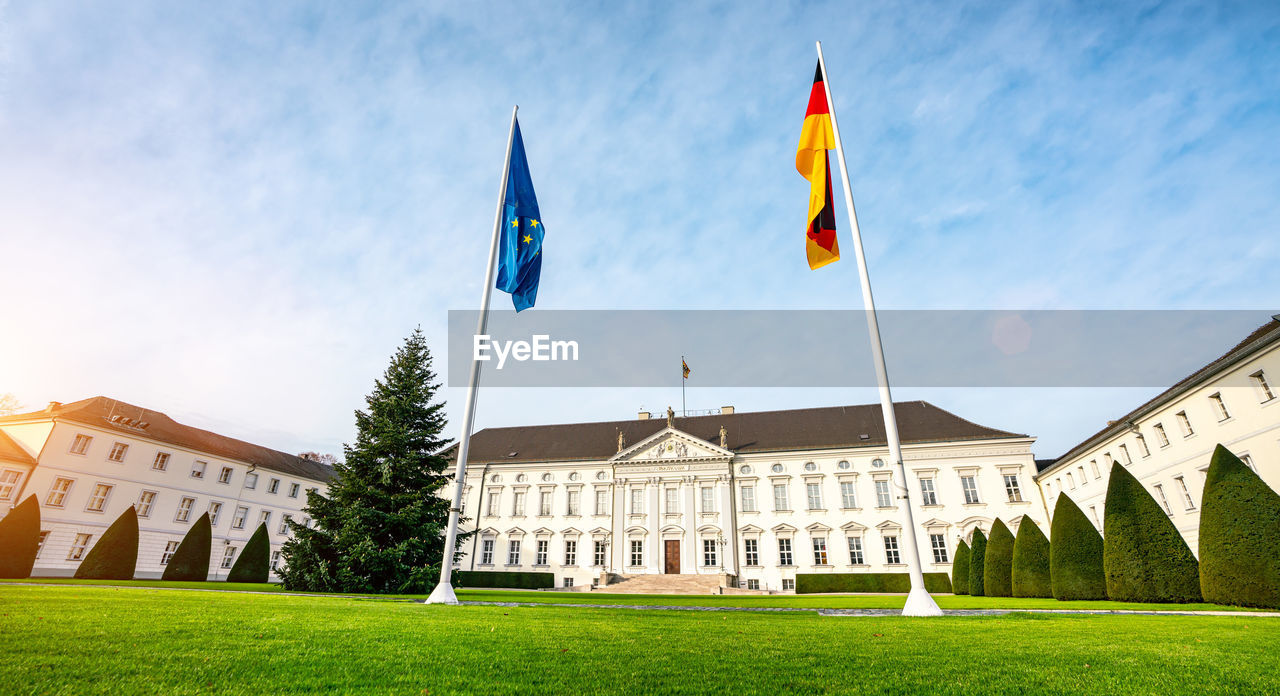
(443, 594)
(920, 603)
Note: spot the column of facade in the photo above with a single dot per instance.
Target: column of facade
(617, 536)
(653, 552)
(730, 550)
(689, 556)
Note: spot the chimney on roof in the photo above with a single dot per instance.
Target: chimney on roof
(726, 410)
(53, 406)
(643, 415)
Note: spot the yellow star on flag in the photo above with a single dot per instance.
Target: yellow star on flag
(533, 223)
(515, 223)
(527, 238)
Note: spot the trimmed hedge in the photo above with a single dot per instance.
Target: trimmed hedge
(960, 569)
(1239, 535)
(1143, 555)
(1075, 554)
(20, 539)
(977, 563)
(115, 556)
(191, 561)
(254, 563)
(513, 580)
(997, 570)
(810, 583)
(1031, 577)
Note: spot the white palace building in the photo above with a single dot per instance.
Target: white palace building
(88, 461)
(738, 500)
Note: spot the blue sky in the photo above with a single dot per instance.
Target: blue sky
(236, 213)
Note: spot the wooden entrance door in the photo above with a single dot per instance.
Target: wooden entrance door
(672, 555)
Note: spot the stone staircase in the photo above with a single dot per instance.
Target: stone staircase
(662, 584)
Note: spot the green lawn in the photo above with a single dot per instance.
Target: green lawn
(80, 639)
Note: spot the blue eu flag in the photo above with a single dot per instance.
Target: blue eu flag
(520, 246)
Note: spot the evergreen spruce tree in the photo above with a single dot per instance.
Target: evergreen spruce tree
(381, 526)
(254, 563)
(20, 539)
(190, 562)
(977, 563)
(1143, 555)
(1031, 576)
(997, 568)
(1075, 554)
(960, 569)
(115, 555)
(1239, 535)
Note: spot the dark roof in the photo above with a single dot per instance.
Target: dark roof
(119, 416)
(1042, 464)
(763, 431)
(1259, 338)
(11, 452)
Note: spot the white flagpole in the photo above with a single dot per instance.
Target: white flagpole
(443, 593)
(919, 602)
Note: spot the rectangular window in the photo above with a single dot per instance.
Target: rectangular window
(1219, 407)
(570, 552)
(273, 486)
(81, 444)
(884, 498)
(1185, 424)
(197, 469)
(788, 584)
(602, 501)
(1248, 461)
(574, 506)
(1264, 389)
(492, 510)
(544, 504)
(1162, 438)
(40, 543)
(118, 450)
(486, 552)
(146, 500)
(568, 582)
(1142, 446)
(184, 509)
(237, 522)
(637, 552)
(251, 481)
(749, 499)
(8, 481)
(970, 486)
(215, 509)
(1164, 501)
(709, 553)
(673, 500)
(637, 501)
(780, 501)
(98, 499)
(293, 490)
(264, 517)
(1071, 481)
(708, 500)
(751, 551)
(891, 550)
(599, 554)
(169, 548)
(284, 524)
(161, 461)
(855, 550)
(927, 492)
(224, 476)
(79, 546)
(1124, 455)
(540, 554)
(1083, 479)
(1187, 502)
(784, 552)
(848, 497)
(58, 492)
(753, 584)
(513, 552)
(1093, 464)
(1107, 460)
(819, 551)
(1014, 491)
(814, 493)
(517, 504)
(1093, 510)
(275, 561)
(939, 544)
(228, 557)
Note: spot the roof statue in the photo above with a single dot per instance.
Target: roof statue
(671, 417)
(724, 437)
(622, 440)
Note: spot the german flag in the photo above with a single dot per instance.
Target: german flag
(811, 161)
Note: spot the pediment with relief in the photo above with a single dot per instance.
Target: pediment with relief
(669, 445)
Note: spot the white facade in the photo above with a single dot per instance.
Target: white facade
(85, 476)
(674, 503)
(1167, 443)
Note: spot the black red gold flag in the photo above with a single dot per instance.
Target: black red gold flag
(816, 137)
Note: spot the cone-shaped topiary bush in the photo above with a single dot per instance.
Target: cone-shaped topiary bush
(960, 569)
(20, 539)
(1143, 555)
(997, 571)
(1239, 535)
(191, 561)
(115, 555)
(1031, 562)
(254, 563)
(1075, 555)
(977, 560)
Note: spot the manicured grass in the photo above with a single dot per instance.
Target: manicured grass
(80, 639)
